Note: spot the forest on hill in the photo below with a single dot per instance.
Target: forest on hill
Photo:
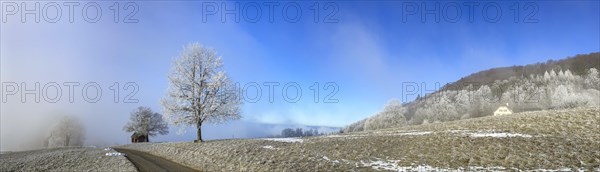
(567, 83)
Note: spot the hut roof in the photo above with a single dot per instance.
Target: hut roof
(136, 135)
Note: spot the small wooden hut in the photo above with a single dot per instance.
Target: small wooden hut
(139, 137)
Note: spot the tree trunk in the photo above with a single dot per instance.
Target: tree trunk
(67, 138)
(199, 133)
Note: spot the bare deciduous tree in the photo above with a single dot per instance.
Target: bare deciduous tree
(200, 90)
(144, 121)
(68, 132)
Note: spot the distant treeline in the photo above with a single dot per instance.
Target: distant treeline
(298, 132)
(578, 65)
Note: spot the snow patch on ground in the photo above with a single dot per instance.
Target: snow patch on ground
(346, 136)
(380, 133)
(112, 152)
(286, 140)
(420, 133)
(562, 169)
(413, 133)
(487, 134)
(269, 147)
(115, 154)
(327, 158)
(402, 133)
(383, 165)
(457, 131)
(380, 164)
(392, 165)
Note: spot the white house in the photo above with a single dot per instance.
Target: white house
(503, 110)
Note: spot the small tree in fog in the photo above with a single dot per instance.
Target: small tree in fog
(200, 91)
(145, 122)
(68, 132)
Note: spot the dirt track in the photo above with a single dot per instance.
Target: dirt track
(147, 162)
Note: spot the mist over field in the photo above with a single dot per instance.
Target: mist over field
(300, 85)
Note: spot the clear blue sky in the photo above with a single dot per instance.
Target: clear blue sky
(368, 53)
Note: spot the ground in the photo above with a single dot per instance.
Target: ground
(65, 159)
(542, 140)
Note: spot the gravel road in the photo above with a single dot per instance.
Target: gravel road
(147, 162)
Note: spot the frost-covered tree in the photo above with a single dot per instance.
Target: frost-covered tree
(552, 74)
(463, 103)
(546, 76)
(480, 103)
(69, 131)
(444, 109)
(592, 80)
(146, 122)
(200, 91)
(560, 94)
(356, 126)
(569, 74)
(391, 116)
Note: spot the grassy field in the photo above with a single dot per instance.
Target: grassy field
(542, 140)
(64, 159)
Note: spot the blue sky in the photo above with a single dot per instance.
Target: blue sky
(368, 53)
